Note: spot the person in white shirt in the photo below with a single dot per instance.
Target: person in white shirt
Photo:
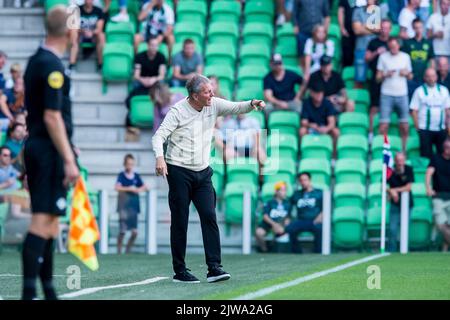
(430, 106)
(393, 71)
(406, 18)
(316, 47)
(188, 128)
(438, 29)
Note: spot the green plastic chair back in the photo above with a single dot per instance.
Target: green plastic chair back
(316, 147)
(192, 11)
(374, 194)
(117, 61)
(348, 75)
(258, 115)
(348, 227)
(350, 170)
(233, 195)
(251, 75)
(349, 194)
(218, 177)
(284, 122)
(243, 170)
(223, 32)
(120, 32)
(413, 147)
(419, 193)
(190, 30)
(279, 169)
(420, 228)
(377, 146)
(225, 11)
(220, 54)
(254, 54)
(248, 93)
(225, 73)
(285, 34)
(320, 170)
(142, 111)
(259, 12)
(351, 146)
(361, 98)
(375, 170)
(282, 145)
(255, 32)
(354, 123)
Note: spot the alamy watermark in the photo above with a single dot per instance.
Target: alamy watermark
(374, 279)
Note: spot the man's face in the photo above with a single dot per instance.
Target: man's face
(445, 4)
(89, 3)
(430, 77)
(446, 152)
(394, 47)
(326, 69)
(205, 95)
(415, 3)
(19, 133)
(5, 157)
(317, 97)
(418, 28)
(399, 160)
(281, 193)
(385, 28)
(443, 65)
(158, 3)
(189, 49)
(305, 182)
(129, 165)
(276, 67)
(152, 46)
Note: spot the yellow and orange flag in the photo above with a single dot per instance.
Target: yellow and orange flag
(83, 232)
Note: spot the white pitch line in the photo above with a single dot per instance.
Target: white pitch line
(123, 285)
(284, 285)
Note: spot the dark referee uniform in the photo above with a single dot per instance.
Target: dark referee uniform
(47, 88)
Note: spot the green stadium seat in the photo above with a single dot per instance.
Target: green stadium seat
(254, 54)
(334, 32)
(218, 177)
(51, 3)
(220, 54)
(419, 193)
(234, 194)
(223, 32)
(419, 166)
(120, 32)
(141, 111)
(142, 47)
(320, 170)
(225, 11)
(373, 219)
(374, 195)
(181, 90)
(224, 73)
(267, 190)
(376, 170)
(279, 169)
(354, 123)
(285, 122)
(255, 32)
(282, 146)
(3, 137)
(4, 208)
(259, 11)
(251, 76)
(285, 35)
(395, 30)
(352, 146)
(189, 30)
(361, 98)
(377, 146)
(191, 11)
(117, 62)
(259, 116)
(349, 194)
(413, 147)
(243, 170)
(350, 170)
(316, 146)
(288, 53)
(420, 227)
(348, 227)
(348, 75)
(248, 93)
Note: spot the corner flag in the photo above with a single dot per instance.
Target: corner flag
(386, 174)
(387, 157)
(83, 232)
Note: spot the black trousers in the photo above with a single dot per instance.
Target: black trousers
(430, 138)
(185, 186)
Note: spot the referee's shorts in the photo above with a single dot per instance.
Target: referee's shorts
(45, 175)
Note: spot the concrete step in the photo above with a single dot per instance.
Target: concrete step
(104, 132)
(114, 110)
(90, 84)
(20, 41)
(12, 19)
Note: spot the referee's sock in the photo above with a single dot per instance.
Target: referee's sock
(46, 273)
(33, 248)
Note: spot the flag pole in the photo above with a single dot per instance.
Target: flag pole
(383, 209)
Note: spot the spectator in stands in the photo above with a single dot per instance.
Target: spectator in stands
(395, 6)
(276, 216)
(438, 29)
(430, 105)
(129, 184)
(305, 15)
(421, 52)
(15, 140)
(279, 86)
(186, 63)
(308, 202)
(348, 38)
(21, 118)
(316, 47)
(122, 16)
(3, 58)
(15, 97)
(400, 181)
(16, 73)
(90, 32)
(439, 172)
(318, 114)
(376, 47)
(333, 85)
(443, 69)
(159, 21)
(8, 174)
(284, 11)
(240, 136)
(406, 18)
(150, 67)
(393, 71)
(5, 114)
(364, 31)
(162, 99)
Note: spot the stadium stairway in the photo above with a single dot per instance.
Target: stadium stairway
(99, 131)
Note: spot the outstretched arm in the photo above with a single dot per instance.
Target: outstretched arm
(225, 107)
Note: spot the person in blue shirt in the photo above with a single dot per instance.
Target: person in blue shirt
(276, 216)
(308, 202)
(129, 184)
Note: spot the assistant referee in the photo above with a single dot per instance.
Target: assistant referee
(188, 128)
(49, 158)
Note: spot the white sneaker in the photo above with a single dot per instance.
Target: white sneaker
(29, 3)
(121, 17)
(281, 20)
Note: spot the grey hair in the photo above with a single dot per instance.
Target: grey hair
(195, 84)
